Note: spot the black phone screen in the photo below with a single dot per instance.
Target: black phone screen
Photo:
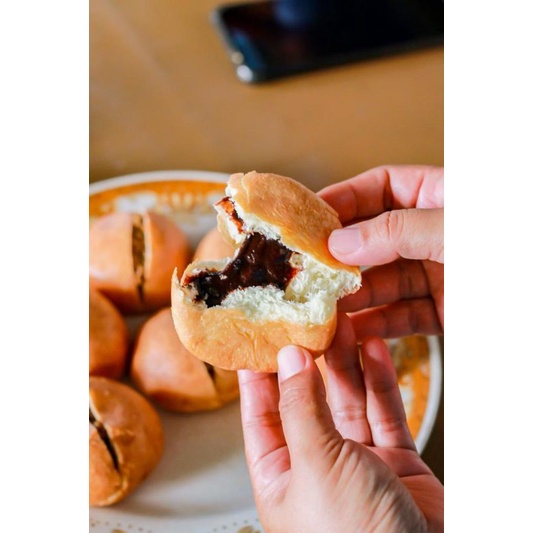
(282, 37)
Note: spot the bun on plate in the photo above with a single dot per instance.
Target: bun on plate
(165, 371)
(213, 246)
(132, 256)
(108, 337)
(125, 440)
(281, 286)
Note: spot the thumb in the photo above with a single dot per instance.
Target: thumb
(407, 233)
(307, 422)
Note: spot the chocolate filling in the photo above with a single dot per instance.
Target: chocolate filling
(260, 262)
(138, 253)
(229, 208)
(105, 438)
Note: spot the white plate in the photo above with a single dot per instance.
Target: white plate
(201, 484)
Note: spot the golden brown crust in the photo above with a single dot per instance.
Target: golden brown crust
(135, 432)
(115, 271)
(110, 260)
(169, 248)
(174, 378)
(213, 246)
(108, 337)
(105, 481)
(228, 339)
(303, 219)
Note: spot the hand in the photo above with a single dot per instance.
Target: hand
(394, 222)
(352, 468)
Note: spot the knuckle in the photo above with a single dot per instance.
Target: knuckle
(349, 415)
(266, 419)
(292, 397)
(413, 318)
(383, 386)
(390, 425)
(393, 224)
(405, 281)
(298, 397)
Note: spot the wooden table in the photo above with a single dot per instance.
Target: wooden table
(163, 95)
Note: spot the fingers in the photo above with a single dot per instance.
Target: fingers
(407, 233)
(407, 317)
(385, 284)
(346, 391)
(307, 423)
(385, 411)
(266, 450)
(403, 462)
(383, 188)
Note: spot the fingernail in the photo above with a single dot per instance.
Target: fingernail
(291, 360)
(345, 241)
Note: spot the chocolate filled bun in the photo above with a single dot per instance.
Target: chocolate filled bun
(125, 440)
(132, 257)
(281, 285)
(165, 371)
(108, 337)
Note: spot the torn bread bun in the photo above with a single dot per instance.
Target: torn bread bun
(281, 286)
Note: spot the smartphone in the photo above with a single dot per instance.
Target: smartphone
(272, 39)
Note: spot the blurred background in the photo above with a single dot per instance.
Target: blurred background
(164, 95)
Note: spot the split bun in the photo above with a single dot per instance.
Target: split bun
(283, 281)
(125, 440)
(132, 256)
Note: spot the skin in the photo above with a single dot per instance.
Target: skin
(349, 463)
(393, 219)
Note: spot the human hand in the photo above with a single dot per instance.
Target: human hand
(393, 220)
(351, 465)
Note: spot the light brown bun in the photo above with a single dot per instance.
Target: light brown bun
(213, 246)
(138, 281)
(229, 339)
(108, 338)
(248, 329)
(303, 219)
(165, 371)
(133, 431)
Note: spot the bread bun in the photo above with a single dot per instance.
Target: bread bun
(165, 371)
(125, 440)
(132, 256)
(213, 246)
(108, 338)
(281, 286)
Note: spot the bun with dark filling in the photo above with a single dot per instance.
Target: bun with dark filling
(281, 286)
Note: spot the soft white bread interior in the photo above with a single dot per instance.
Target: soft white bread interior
(249, 326)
